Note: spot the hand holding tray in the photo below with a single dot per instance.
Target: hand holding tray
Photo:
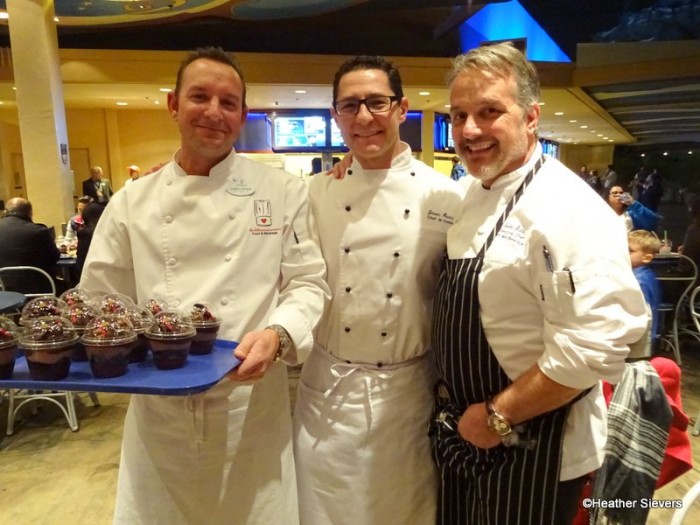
(200, 373)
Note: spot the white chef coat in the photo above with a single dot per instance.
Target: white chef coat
(533, 315)
(365, 393)
(241, 239)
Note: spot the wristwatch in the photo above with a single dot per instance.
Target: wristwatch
(495, 421)
(285, 340)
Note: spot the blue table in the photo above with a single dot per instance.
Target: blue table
(11, 300)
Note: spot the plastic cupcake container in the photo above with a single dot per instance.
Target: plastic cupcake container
(108, 340)
(207, 326)
(8, 346)
(48, 343)
(170, 338)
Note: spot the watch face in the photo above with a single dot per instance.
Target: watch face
(499, 425)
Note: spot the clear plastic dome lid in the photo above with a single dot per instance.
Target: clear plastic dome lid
(113, 303)
(140, 317)
(156, 305)
(75, 296)
(171, 324)
(8, 332)
(80, 314)
(43, 306)
(48, 332)
(109, 329)
(201, 315)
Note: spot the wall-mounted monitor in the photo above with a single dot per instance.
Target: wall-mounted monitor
(442, 131)
(304, 130)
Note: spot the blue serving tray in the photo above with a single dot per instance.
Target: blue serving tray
(200, 373)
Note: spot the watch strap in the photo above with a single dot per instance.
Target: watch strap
(285, 340)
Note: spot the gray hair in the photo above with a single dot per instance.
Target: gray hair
(504, 60)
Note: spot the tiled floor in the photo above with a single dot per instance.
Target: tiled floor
(52, 476)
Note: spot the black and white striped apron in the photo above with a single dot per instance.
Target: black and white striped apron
(501, 485)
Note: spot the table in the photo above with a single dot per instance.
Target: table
(11, 300)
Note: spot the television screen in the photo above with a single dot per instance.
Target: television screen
(299, 132)
(336, 137)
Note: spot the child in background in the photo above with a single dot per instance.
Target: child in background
(644, 246)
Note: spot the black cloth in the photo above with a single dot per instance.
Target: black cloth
(84, 240)
(24, 243)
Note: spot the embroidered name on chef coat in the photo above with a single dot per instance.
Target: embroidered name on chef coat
(440, 217)
(512, 232)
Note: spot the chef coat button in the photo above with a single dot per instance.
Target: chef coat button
(347, 249)
(172, 261)
(169, 182)
(224, 301)
(231, 215)
(348, 208)
(396, 254)
(413, 174)
(349, 172)
(380, 364)
(384, 334)
(407, 211)
(347, 289)
(389, 295)
(227, 258)
(347, 328)
(168, 219)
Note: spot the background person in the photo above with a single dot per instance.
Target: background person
(25, 243)
(633, 213)
(75, 223)
(91, 216)
(214, 227)
(96, 187)
(458, 170)
(134, 172)
(369, 379)
(533, 308)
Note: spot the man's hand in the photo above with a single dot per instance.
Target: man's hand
(473, 428)
(338, 169)
(257, 350)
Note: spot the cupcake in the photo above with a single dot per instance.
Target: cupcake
(170, 338)
(156, 306)
(75, 296)
(142, 319)
(80, 314)
(207, 326)
(8, 346)
(108, 340)
(113, 303)
(46, 305)
(48, 343)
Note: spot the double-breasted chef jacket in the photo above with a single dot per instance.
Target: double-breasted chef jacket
(366, 391)
(243, 241)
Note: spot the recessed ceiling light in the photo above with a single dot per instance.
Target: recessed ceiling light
(157, 102)
(424, 93)
(165, 90)
(448, 106)
(1, 103)
(689, 153)
(55, 19)
(643, 155)
(300, 91)
(611, 140)
(583, 127)
(4, 15)
(599, 135)
(605, 138)
(543, 103)
(572, 121)
(665, 153)
(559, 113)
(122, 103)
(14, 88)
(591, 131)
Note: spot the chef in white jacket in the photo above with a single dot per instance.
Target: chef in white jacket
(366, 391)
(214, 227)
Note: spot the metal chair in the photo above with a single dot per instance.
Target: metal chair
(676, 276)
(27, 396)
(688, 500)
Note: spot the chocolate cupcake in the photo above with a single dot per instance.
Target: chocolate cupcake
(46, 305)
(8, 346)
(170, 338)
(75, 296)
(113, 303)
(142, 319)
(156, 306)
(108, 340)
(207, 326)
(48, 343)
(80, 314)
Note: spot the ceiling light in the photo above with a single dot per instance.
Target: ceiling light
(583, 127)
(1, 103)
(4, 15)
(165, 90)
(447, 106)
(605, 138)
(424, 93)
(611, 140)
(300, 91)
(14, 88)
(157, 102)
(543, 103)
(599, 135)
(55, 19)
(643, 155)
(559, 113)
(122, 103)
(665, 153)
(689, 153)
(573, 121)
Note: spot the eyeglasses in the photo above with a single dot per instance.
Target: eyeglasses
(351, 106)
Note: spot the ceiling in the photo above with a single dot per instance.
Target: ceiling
(656, 111)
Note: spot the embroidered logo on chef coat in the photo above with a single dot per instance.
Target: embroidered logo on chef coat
(263, 213)
(440, 217)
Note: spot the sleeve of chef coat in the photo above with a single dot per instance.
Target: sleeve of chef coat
(109, 264)
(303, 289)
(593, 306)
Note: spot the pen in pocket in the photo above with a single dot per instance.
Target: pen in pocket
(547, 259)
(571, 280)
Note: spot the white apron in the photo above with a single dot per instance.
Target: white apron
(396, 482)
